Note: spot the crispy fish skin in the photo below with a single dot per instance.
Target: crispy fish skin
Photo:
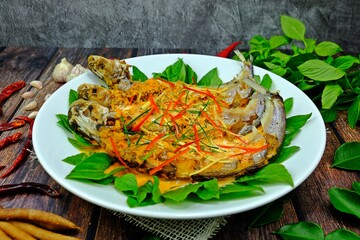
(114, 72)
(180, 131)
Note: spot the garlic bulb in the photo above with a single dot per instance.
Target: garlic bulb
(61, 70)
(76, 71)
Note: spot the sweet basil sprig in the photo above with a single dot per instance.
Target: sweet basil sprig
(330, 77)
(183, 72)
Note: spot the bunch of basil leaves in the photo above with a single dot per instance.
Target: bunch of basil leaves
(331, 79)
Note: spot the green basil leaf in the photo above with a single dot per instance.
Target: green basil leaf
(181, 193)
(75, 159)
(266, 82)
(73, 96)
(127, 184)
(275, 68)
(285, 153)
(297, 60)
(239, 188)
(345, 62)
(144, 195)
(326, 48)
(290, 136)
(156, 194)
(92, 168)
(356, 186)
(191, 76)
(278, 41)
(288, 104)
(301, 231)
(174, 72)
(138, 75)
(292, 27)
(345, 200)
(64, 122)
(347, 156)
(282, 57)
(209, 190)
(343, 234)
(266, 214)
(273, 172)
(354, 112)
(210, 79)
(294, 123)
(329, 115)
(329, 95)
(320, 70)
(310, 44)
(78, 144)
(260, 45)
(305, 85)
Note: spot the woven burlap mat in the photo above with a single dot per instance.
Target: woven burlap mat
(197, 229)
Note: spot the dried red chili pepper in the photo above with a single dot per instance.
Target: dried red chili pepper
(25, 151)
(9, 140)
(29, 121)
(19, 159)
(11, 125)
(27, 187)
(226, 52)
(9, 90)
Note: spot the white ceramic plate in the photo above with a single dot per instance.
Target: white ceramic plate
(51, 145)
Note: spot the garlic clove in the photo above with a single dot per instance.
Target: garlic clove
(76, 71)
(30, 106)
(28, 94)
(61, 70)
(33, 114)
(36, 84)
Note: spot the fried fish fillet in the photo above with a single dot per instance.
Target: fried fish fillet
(176, 130)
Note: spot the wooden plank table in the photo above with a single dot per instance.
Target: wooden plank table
(310, 201)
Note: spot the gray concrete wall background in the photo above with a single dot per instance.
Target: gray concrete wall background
(171, 23)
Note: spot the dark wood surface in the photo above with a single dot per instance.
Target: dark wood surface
(310, 201)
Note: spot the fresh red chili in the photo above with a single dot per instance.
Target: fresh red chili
(28, 187)
(153, 104)
(117, 154)
(197, 139)
(253, 150)
(19, 160)
(137, 126)
(9, 90)
(183, 146)
(9, 140)
(226, 52)
(11, 125)
(158, 168)
(210, 120)
(166, 81)
(158, 137)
